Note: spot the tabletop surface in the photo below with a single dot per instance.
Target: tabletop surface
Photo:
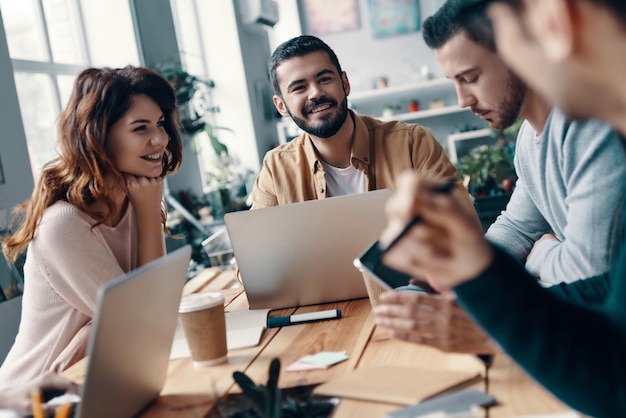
(192, 392)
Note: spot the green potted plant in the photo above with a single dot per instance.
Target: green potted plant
(389, 110)
(267, 401)
(413, 106)
(485, 169)
(193, 99)
(488, 170)
(191, 96)
(489, 176)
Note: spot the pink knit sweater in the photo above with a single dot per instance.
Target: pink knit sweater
(66, 264)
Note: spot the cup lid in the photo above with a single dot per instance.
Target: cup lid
(197, 301)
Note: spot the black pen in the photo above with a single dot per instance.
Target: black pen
(443, 188)
(281, 321)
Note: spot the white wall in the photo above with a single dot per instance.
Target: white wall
(237, 55)
(363, 57)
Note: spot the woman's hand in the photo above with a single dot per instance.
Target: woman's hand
(447, 246)
(19, 398)
(145, 195)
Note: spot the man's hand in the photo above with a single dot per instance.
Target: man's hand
(447, 246)
(545, 237)
(433, 320)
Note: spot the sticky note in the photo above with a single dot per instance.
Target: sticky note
(317, 361)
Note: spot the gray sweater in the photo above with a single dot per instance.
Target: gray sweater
(570, 183)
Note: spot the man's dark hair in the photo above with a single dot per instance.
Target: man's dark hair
(616, 6)
(444, 24)
(297, 47)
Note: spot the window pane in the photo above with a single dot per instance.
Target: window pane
(64, 31)
(65, 83)
(110, 35)
(188, 36)
(23, 30)
(39, 112)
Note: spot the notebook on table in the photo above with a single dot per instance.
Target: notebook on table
(395, 384)
(301, 253)
(131, 335)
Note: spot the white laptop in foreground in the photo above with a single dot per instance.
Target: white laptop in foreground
(301, 253)
(131, 336)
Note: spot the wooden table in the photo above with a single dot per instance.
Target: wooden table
(192, 392)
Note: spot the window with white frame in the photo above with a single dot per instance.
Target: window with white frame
(50, 41)
(189, 37)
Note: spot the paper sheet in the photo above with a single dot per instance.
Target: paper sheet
(321, 360)
(245, 328)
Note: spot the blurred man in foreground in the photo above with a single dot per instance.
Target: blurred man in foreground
(574, 53)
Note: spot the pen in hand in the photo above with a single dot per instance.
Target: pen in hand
(444, 188)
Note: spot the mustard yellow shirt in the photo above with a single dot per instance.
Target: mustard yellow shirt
(293, 172)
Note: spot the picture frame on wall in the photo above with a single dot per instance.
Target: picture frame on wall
(393, 17)
(323, 17)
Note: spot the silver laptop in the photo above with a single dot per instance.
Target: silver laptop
(131, 336)
(301, 253)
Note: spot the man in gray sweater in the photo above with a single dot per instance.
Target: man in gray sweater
(560, 221)
(564, 220)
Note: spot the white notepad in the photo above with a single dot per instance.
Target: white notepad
(243, 329)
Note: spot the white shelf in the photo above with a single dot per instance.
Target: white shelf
(477, 133)
(439, 121)
(387, 92)
(428, 113)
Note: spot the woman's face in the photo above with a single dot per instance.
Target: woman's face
(137, 141)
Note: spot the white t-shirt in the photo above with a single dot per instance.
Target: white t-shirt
(343, 181)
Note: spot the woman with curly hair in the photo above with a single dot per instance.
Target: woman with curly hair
(95, 214)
